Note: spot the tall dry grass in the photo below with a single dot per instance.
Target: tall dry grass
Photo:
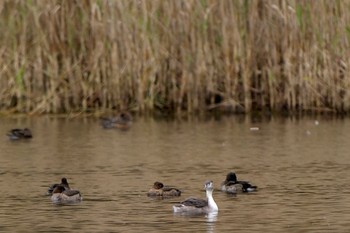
(174, 55)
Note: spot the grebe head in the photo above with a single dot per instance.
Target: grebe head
(209, 185)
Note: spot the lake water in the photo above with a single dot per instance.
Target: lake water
(301, 166)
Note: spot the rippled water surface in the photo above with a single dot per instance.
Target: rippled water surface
(302, 168)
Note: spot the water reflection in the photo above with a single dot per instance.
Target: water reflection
(211, 219)
(301, 177)
(208, 220)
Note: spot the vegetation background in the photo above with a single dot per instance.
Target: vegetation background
(177, 56)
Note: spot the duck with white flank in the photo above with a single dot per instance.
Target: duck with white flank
(62, 196)
(233, 186)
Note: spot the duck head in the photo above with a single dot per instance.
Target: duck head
(158, 185)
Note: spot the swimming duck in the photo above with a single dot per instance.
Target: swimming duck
(159, 190)
(196, 206)
(122, 121)
(64, 183)
(15, 134)
(232, 185)
(107, 122)
(61, 195)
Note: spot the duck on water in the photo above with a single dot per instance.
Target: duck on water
(60, 195)
(16, 134)
(159, 190)
(122, 121)
(233, 186)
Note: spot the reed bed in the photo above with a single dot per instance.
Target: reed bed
(177, 56)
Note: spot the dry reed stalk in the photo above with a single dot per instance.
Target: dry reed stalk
(176, 56)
